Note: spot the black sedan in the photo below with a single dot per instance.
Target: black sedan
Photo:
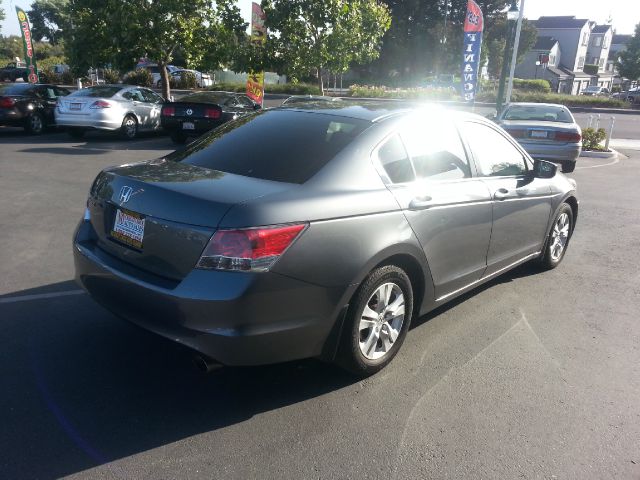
(200, 112)
(29, 106)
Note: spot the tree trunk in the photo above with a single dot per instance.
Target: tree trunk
(320, 82)
(164, 79)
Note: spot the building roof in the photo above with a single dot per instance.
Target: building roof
(557, 72)
(545, 43)
(621, 39)
(560, 22)
(601, 29)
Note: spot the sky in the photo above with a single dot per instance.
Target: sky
(624, 13)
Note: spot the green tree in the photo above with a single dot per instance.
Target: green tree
(313, 35)
(629, 64)
(49, 19)
(119, 32)
(495, 38)
(1, 18)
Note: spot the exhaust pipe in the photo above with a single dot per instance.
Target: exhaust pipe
(206, 364)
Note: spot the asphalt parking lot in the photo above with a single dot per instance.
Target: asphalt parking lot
(534, 375)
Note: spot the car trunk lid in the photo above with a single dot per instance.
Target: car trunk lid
(542, 132)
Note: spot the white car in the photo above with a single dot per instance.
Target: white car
(202, 79)
(155, 71)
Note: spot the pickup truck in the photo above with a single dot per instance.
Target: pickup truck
(13, 71)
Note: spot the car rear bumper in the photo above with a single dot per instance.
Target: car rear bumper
(235, 318)
(88, 121)
(201, 125)
(557, 153)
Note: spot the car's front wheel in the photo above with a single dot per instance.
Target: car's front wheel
(558, 239)
(377, 321)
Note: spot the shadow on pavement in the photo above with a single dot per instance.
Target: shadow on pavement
(81, 388)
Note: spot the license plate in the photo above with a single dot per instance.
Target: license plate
(75, 106)
(128, 228)
(188, 126)
(538, 134)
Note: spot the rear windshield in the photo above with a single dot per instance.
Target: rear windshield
(19, 89)
(278, 145)
(103, 92)
(542, 113)
(206, 97)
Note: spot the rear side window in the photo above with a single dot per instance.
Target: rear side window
(395, 161)
(279, 145)
(436, 150)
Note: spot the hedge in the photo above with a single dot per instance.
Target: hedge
(532, 85)
(285, 88)
(429, 93)
(563, 99)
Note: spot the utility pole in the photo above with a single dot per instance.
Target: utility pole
(514, 56)
(512, 15)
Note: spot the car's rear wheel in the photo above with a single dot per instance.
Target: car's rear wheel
(34, 124)
(377, 321)
(76, 132)
(558, 239)
(568, 166)
(129, 129)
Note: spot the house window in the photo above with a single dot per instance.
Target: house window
(552, 60)
(597, 41)
(601, 63)
(585, 38)
(605, 43)
(581, 63)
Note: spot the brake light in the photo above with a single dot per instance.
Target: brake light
(98, 104)
(7, 102)
(168, 111)
(248, 249)
(212, 113)
(573, 137)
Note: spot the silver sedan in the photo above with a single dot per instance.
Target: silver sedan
(125, 108)
(545, 130)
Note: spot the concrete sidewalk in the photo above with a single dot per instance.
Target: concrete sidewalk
(624, 144)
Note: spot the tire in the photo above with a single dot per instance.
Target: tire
(366, 344)
(558, 240)
(179, 137)
(129, 129)
(34, 124)
(75, 132)
(568, 166)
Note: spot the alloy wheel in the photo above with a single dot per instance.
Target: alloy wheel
(130, 127)
(560, 236)
(381, 321)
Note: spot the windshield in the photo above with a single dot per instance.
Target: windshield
(592, 89)
(101, 91)
(540, 113)
(278, 145)
(15, 89)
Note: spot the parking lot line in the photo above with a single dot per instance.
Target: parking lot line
(40, 296)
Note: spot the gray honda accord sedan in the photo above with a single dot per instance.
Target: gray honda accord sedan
(318, 230)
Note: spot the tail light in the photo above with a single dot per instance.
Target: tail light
(573, 137)
(212, 113)
(7, 102)
(168, 111)
(98, 104)
(248, 249)
(517, 133)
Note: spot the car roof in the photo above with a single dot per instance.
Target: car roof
(534, 104)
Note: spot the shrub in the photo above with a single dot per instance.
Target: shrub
(563, 99)
(47, 75)
(428, 93)
(592, 138)
(187, 80)
(110, 75)
(284, 88)
(140, 76)
(66, 78)
(50, 62)
(532, 85)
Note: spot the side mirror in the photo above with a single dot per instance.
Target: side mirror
(544, 169)
(257, 106)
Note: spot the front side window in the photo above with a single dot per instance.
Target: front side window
(495, 156)
(435, 150)
(395, 161)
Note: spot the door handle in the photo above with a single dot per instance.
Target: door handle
(420, 203)
(501, 194)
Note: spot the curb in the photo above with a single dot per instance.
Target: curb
(606, 155)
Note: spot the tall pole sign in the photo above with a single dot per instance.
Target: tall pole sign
(29, 55)
(255, 81)
(473, 26)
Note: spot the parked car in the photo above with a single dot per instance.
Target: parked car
(197, 113)
(13, 71)
(546, 131)
(297, 99)
(632, 95)
(29, 106)
(155, 71)
(595, 91)
(124, 108)
(203, 80)
(318, 231)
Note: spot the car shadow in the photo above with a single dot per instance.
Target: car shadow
(82, 388)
